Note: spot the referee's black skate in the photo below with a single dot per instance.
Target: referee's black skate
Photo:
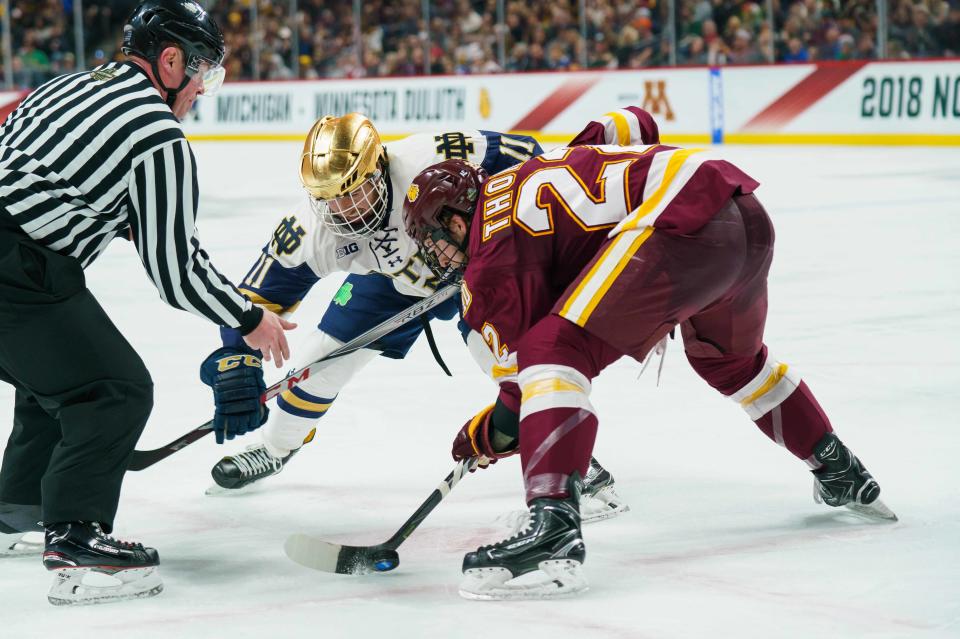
(551, 547)
(252, 465)
(844, 481)
(93, 568)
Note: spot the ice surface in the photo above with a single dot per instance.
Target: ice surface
(723, 538)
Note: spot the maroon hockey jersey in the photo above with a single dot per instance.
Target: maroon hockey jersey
(539, 224)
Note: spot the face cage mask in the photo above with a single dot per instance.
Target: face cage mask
(211, 73)
(360, 212)
(451, 273)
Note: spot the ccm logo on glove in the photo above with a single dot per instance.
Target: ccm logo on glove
(227, 363)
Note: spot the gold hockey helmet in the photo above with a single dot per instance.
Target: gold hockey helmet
(343, 168)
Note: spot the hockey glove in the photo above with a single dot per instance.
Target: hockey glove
(236, 377)
(478, 438)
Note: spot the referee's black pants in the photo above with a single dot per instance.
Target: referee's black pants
(83, 394)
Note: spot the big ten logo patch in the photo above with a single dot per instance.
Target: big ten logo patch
(288, 236)
(349, 249)
(655, 98)
(453, 146)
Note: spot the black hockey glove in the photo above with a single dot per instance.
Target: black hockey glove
(236, 377)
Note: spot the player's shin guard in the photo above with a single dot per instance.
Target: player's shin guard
(558, 428)
(300, 408)
(295, 423)
(782, 406)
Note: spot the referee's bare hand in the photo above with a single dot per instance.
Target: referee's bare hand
(269, 338)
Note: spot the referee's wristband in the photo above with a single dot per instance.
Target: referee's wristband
(250, 319)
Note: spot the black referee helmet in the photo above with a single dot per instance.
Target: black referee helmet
(156, 24)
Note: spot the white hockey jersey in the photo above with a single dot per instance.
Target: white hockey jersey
(302, 250)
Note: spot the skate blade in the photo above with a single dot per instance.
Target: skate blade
(605, 504)
(216, 490)
(88, 586)
(28, 544)
(555, 578)
(876, 511)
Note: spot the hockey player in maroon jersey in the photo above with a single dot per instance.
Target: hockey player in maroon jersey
(576, 258)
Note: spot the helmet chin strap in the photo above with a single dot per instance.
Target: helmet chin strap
(171, 93)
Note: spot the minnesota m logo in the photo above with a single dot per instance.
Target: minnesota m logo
(655, 98)
(287, 236)
(453, 146)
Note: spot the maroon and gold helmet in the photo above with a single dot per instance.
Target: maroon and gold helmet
(435, 195)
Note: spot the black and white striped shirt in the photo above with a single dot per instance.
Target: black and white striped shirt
(92, 156)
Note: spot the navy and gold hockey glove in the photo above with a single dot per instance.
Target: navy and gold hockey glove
(236, 377)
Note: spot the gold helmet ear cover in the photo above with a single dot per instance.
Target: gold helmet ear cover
(339, 154)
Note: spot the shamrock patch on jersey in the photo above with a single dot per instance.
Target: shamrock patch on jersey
(344, 295)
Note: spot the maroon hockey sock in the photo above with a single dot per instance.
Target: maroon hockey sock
(797, 423)
(554, 443)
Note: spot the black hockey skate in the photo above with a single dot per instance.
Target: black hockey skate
(252, 465)
(844, 481)
(94, 568)
(598, 500)
(551, 545)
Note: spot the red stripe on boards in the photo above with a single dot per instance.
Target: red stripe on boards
(802, 96)
(550, 107)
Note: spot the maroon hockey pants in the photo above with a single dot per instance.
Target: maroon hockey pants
(712, 283)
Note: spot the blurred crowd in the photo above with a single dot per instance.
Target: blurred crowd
(333, 38)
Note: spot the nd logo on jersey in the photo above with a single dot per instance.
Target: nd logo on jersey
(453, 146)
(287, 238)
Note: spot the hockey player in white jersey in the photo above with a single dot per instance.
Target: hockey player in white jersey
(351, 222)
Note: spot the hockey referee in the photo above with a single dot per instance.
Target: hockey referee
(86, 158)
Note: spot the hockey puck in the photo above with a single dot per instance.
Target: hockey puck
(384, 560)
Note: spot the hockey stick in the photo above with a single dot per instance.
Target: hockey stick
(145, 458)
(359, 560)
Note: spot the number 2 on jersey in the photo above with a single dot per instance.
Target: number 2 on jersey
(558, 188)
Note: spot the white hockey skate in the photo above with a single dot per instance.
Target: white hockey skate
(28, 544)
